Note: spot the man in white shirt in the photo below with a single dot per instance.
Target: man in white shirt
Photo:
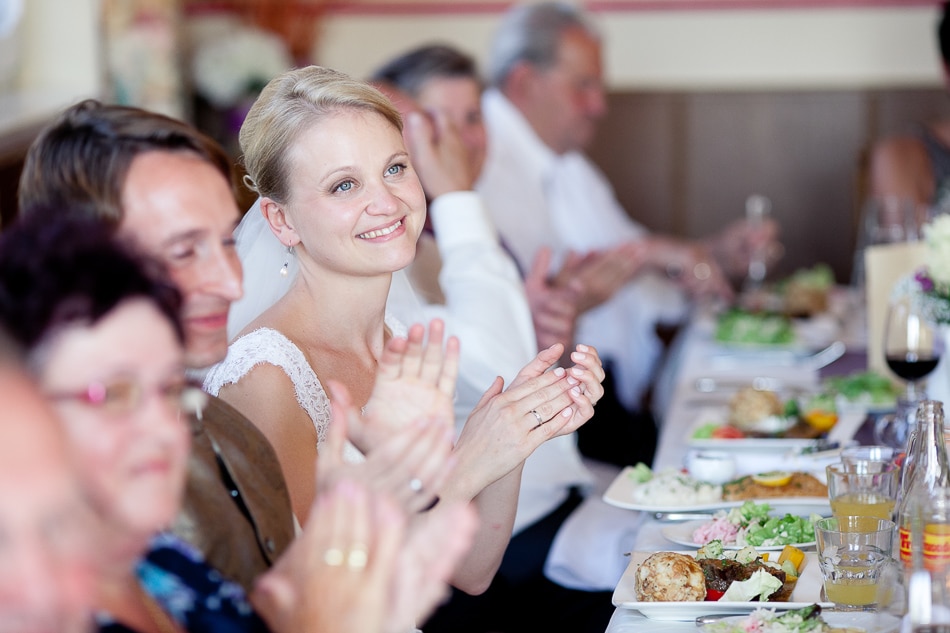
(465, 276)
(541, 111)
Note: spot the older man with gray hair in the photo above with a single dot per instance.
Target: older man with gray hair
(546, 99)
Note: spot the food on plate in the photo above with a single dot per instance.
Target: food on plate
(805, 292)
(799, 485)
(751, 524)
(744, 575)
(773, 478)
(671, 487)
(715, 574)
(804, 620)
(758, 328)
(819, 411)
(793, 555)
(716, 431)
(761, 413)
(670, 577)
(749, 408)
(868, 388)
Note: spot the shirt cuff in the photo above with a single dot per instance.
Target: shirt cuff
(460, 218)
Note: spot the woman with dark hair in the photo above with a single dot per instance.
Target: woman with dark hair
(100, 329)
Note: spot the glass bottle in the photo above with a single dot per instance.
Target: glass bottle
(929, 477)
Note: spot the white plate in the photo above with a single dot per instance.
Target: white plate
(849, 421)
(620, 494)
(807, 591)
(752, 444)
(869, 622)
(682, 534)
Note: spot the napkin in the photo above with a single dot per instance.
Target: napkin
(588, 551)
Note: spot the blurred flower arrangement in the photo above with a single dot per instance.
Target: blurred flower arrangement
(236, 65)
(930, 285)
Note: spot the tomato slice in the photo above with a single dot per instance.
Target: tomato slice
(727, 432)
(713, 595)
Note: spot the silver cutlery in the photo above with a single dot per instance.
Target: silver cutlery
(681, 516)
(715, 617)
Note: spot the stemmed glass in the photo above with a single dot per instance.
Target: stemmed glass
(912, 349)
(912, 344)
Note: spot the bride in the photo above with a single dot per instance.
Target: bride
(340, 209)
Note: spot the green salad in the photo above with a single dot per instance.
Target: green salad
(758, 328)
(760, 529)
(751, 525)
(864, 387)
(820, 276)
(805, 620)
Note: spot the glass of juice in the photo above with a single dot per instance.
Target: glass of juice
(864, 488)
(854, 552)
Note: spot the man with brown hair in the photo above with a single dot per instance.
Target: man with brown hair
(167, 187)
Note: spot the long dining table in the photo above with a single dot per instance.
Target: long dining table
(695, 356)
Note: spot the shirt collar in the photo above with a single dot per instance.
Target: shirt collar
(506, 122)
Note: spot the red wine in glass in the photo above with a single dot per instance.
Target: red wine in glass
(911, 366)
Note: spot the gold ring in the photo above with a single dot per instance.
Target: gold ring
(333, 557)
(702, 271)
(537, 416)
(357, 557)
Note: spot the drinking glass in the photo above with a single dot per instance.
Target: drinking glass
(912, 345)
(863, 489)
(853, 553)
(885, 220)
(866, 453)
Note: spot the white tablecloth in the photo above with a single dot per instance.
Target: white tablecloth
(694, 355)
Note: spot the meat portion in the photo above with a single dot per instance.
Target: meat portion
(720, 573)
(670, 577)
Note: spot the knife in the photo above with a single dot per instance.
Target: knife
(682, 516)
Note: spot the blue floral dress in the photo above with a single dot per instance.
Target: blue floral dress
(187, 588)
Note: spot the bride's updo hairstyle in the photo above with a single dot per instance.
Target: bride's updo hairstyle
(288, 105)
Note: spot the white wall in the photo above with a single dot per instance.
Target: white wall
(60, 58)
(60, 47)
(58, 61)
(671, 50)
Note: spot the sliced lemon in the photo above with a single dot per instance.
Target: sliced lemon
(774, 478)
(821, 420)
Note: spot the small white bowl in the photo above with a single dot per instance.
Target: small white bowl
(715, 467)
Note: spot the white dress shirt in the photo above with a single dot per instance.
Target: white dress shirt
(484, 304)
(539, 198)
(486, 307)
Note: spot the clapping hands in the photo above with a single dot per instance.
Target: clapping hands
(365, 561)
(415, 381)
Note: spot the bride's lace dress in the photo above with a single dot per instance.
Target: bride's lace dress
(266, 345)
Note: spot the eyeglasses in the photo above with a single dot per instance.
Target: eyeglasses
(124, 396)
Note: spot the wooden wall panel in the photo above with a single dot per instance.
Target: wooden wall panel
(685, 163)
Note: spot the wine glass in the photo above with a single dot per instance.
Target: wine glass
(912, 345)
(912, 348)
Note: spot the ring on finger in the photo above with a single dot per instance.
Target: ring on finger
(333, 557)
(537, 416)
(415, 484)
(357, 557)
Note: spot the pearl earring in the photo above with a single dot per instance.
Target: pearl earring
(284, 269)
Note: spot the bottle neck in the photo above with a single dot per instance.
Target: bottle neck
(931, 466)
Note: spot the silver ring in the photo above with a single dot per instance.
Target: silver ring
(415, 484)
(537, 416)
